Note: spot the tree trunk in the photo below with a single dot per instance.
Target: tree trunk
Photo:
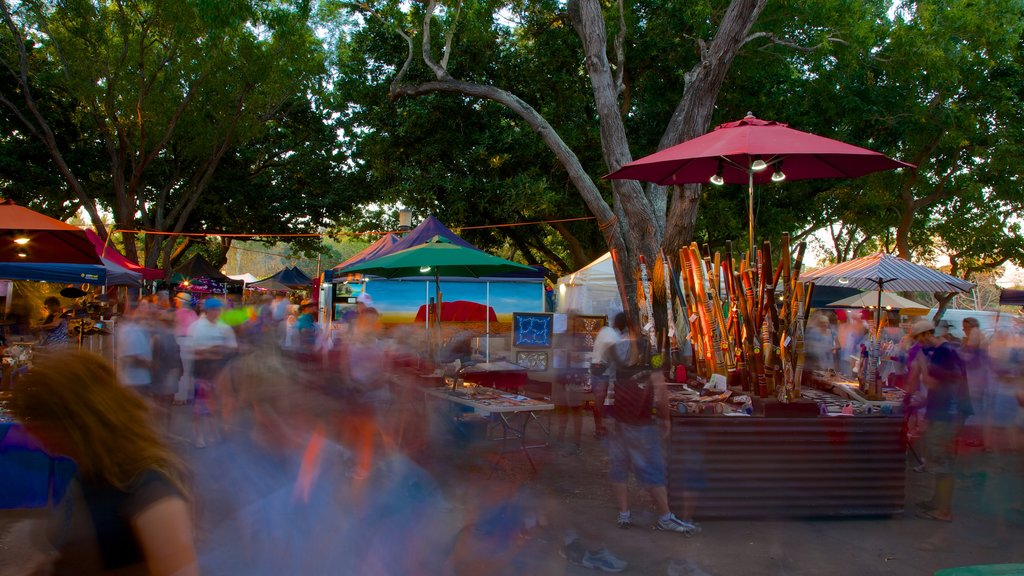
(903, 230)
(635, 225)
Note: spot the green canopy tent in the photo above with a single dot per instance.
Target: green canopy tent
(437, 257)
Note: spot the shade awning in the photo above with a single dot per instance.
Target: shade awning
(890, 301)
(882, 271)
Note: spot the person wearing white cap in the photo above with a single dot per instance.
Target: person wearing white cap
(212, 342)
(941, 371)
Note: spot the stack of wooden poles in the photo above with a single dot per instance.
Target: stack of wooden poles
(746, 319)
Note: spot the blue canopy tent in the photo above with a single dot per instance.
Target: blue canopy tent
(54, 272)
(291, 278)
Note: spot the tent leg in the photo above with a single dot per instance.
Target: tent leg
(487, 316)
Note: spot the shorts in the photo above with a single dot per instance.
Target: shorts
(204, 400)
(1002, 407)
(599, 386)
(166, 382)
(940, 446)
(636, 448)
(563, 394)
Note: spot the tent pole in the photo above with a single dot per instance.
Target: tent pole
(487, 316)
(437, 307)
(426, 316)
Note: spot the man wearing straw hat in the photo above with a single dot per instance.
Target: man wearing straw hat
(939, 370)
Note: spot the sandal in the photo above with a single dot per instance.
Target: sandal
(930, 515)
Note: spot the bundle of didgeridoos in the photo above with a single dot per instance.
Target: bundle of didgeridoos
(748, 323)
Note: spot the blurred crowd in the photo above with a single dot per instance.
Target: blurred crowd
(309, 451)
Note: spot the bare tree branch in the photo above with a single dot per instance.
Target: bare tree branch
(400, 76)
(428, 58)
(774, 39)
(449, 36)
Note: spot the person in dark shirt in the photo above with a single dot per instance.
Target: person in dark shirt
(127, 511)
(635, 441)
(942, 372)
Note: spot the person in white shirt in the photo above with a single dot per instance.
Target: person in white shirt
(135, 351)
(212, 344)
(601, 368)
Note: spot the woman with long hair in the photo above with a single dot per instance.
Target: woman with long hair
(128, 511)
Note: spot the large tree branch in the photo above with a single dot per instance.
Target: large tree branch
(579, 257)
(620, 51)
(577, 174)
(689, 121)
(636, 203)
(941, 190)
(48, 138)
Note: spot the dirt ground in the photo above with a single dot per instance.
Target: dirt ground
(984, 531)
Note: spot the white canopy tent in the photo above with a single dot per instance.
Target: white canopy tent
(246, 278)
(591, 290)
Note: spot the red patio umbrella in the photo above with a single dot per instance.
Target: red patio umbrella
(754, 151)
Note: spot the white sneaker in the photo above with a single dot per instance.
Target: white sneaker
(674, 524)
(603, 560)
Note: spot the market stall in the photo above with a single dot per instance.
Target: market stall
(501, 417)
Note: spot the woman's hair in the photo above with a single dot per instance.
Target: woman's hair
(972, 322)
(51, 301)
(106, 425)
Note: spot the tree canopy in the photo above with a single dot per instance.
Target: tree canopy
(260, 116)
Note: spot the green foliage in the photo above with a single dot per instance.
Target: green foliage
(149, 98)
(473, 164)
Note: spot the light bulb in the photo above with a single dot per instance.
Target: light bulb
(778, 176)
(717, 180)
(21, 241)
(758, 165)
(424, 269)
(844, 280)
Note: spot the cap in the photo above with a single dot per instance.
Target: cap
(212, 304)
(921, 326)
(364, 298)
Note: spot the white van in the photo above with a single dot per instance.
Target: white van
(986, 320)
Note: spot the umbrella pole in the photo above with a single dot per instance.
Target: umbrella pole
(750, 209)
(873, 380)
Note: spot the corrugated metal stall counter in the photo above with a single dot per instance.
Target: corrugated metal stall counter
(750, 467)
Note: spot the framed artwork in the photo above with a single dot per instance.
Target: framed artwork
(585, 329)
(532, 361)
(532, 330)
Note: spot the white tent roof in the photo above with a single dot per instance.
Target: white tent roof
(591, 289)
(246, 278)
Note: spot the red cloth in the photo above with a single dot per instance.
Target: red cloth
(459, 311)
(111, 253)
(510, 381)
